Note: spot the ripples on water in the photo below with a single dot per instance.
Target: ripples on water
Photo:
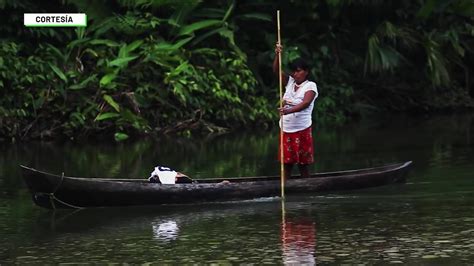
(352, 228)
(429, 220)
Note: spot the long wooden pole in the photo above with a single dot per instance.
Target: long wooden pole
(282, 168)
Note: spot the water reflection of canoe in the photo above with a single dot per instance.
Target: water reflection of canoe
(133, 217)
(59, 191)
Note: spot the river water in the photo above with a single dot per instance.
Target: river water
(428, 220)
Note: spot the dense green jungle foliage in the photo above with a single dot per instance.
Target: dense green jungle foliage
(150, 66)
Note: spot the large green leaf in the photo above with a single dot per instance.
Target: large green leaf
(59, 54)
(229, 11)
(109, 43)
(83, 83)
(105, 116)
(58, 72)
(107, 79)
(206, 35)
(259, 16)
(75, 43)
(112, 102)
(121, 62)
(166, 46)
(134, 45)
(120, 136)
(189, 29)
(90, 51)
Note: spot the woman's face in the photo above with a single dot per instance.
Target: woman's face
(299, 75)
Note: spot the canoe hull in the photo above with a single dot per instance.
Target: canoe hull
(59, 191)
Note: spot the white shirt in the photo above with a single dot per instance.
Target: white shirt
(299, 120)
(165, 174)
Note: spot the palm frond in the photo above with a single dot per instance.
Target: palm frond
(436, 63)
(382, 53)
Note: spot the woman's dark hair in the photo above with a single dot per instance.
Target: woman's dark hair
(299, 63)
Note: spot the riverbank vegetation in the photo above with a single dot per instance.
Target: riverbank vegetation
(158, 66)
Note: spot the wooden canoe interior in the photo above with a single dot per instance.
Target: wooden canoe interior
(390, 167)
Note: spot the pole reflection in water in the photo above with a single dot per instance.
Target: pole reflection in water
(165, 231)
(298, 239)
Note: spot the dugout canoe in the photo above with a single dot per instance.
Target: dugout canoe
(59, 191)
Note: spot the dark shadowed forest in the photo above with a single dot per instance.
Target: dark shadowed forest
(158, 66)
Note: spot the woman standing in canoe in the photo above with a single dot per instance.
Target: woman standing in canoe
(296, 113)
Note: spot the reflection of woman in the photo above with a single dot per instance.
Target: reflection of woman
(296, 115)
(298, 239)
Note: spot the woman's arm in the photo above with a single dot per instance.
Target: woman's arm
(276, 65)
(307, 99)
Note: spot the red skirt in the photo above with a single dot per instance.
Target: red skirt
(297, 147)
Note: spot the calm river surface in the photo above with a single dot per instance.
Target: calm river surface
(429, 220)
